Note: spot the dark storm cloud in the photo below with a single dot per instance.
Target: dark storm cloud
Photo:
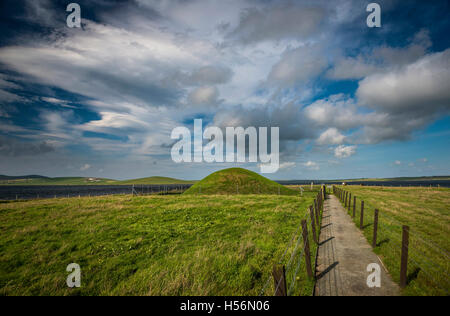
(277, 23)
(208, 75)
(16, 148)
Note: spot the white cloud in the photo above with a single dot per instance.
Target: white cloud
(312, 165)
(421, 87)
(85, 167)
(204, 96)
(380, 59)
(338, 111)
(331, 137)
(397, 163)
(344, 151)
(287, 165)
(299, 65)
(92, 63)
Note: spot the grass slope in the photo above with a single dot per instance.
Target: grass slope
(238, 181)
(427, 213)
(158, 245)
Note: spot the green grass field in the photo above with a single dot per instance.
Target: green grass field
(427, 213)
(153, 245)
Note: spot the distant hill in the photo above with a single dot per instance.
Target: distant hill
(2, 177)
(238, 181)
(154, 181)
(306, 182)
(236, 176)
(41, 180)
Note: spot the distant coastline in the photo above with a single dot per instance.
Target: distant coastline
(32, 180)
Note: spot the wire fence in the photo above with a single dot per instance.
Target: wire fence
(410, 256)
(295, 267)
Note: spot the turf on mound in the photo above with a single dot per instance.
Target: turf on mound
(238, 181)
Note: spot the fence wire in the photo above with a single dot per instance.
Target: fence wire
(291, 269)
(433, 271)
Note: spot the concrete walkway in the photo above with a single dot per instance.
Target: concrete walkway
(344, 255)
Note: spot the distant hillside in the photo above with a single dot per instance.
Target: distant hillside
(238, 181)
(236, 176)
(431, 178)
(2, 177)
(39, 180)
(307, 182)
(154, 181)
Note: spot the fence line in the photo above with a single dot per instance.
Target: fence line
(404, 245)
(284, 286)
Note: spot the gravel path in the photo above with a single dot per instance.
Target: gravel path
(344, 255)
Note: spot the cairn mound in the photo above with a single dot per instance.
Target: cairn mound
(238, 181)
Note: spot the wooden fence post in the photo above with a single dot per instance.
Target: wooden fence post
(349, 202)
(361, 222)
(307, 250)
(317, 212)
(279, 279)
(313, 224)
(404, 260)
(375, 229)
(354, 206)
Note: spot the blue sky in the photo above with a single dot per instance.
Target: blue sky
(351, 101)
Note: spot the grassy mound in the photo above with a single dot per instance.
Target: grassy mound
(238, 181)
